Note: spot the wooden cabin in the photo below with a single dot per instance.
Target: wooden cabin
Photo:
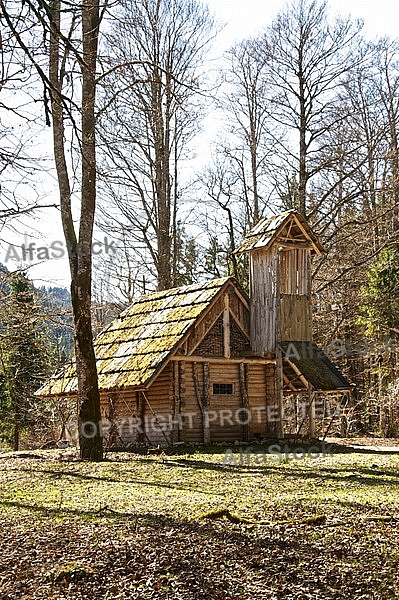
(206, 363)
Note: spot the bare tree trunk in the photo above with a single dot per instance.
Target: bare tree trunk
(17, 417)
(254, 172)
(79, 252)
(302, 135)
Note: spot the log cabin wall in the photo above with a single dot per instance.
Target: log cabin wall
(119, 409)
(223, 418)
(132, 417)
(294, 266)
(225, 406)
(262, 399)
(241, 397)
(192, 417)
(159, 408)
(257, 398)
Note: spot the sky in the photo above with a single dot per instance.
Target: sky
(241, 19)
(247, 17)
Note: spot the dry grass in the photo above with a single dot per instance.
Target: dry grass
(131, 527)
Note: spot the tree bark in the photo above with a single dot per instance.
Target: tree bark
(79, 251)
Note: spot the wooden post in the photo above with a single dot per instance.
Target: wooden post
(226, 327)
(206, 402)
(270, 396)
(312, 412)
(176, 403)
(140, 415)
(243, 377)
(309, 316)
(182, 393)
(203, 399)
(279, 359)
(279, 394)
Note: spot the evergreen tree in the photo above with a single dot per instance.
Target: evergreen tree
(25, 357)
(381, 295)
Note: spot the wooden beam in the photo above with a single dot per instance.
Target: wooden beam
(241, 297)
(306, 382)
(203, 359)
(289, 383)
(243, 378)
(207, 330)
(202, 398)
(279, 394)
(312, 412)
(294, 245)
(297, 371)
(206, 402)
(279, 358)
(240, 325)
(226, 327)
(308, 236)
(182, 394)
(140, 414)
(176, 402)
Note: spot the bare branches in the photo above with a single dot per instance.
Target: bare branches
(150, 113)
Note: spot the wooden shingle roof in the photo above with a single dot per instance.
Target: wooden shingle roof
(315, 366)
(287, 227)
(135, 345)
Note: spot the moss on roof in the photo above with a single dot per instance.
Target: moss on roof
(136, 344)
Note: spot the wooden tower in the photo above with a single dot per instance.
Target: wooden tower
(280, 250)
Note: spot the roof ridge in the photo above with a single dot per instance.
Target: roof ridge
(183, 289)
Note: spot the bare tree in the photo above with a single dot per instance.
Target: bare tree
(246, 110)
(153, 112)
(223, 186)
(20, 124)
(70, 41)
(306, 58)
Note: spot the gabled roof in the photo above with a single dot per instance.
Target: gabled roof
(135, 346)
(306, 360)
(288, 228)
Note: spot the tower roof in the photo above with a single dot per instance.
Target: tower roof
(288, 229)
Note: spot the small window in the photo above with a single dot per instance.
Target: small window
(222, 388)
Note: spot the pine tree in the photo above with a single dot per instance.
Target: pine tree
(381, 295)
(25, 357)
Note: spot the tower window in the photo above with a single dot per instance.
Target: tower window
(222, 389)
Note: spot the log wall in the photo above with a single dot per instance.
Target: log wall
(131, 417)
(294, 266)
(170, 411)
(280, 297)
(231, 416)
(159, 409)
(295, 318)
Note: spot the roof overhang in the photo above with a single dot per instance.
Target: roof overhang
(305, 366)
